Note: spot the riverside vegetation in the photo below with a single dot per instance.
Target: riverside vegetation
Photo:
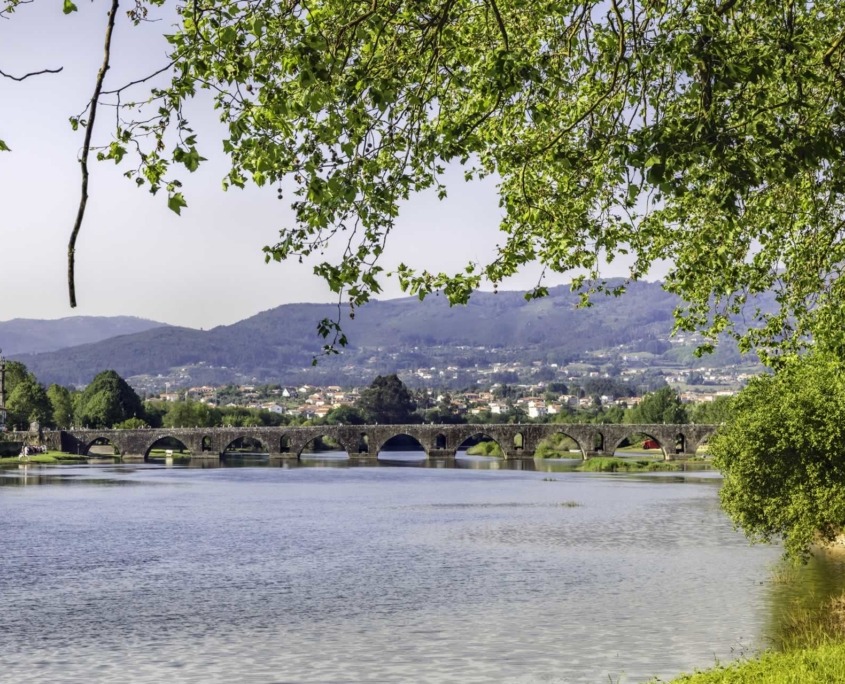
(808, 649)
(783, 463)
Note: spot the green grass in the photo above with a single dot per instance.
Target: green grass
(823, 665)
(555, 453)
(485, 449)
(604, 464)
(810, 627)
(48, 458)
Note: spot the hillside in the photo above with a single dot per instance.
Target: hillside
(278, 345)
(30, 336)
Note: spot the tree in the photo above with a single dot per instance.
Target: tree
(131, 424)
(189, 414)
(387, 400)
(28, 403)
(16, 373)
(720, 410)
(154, 413)
(781, 454)
(108, 400)
(345, 415)
(662, 406)
(61, 405)
(708, 135)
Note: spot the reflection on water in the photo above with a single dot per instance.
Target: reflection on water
(319, 573)
(25, 475)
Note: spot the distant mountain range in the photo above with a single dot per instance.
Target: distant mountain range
(278, 345)
(28, 336)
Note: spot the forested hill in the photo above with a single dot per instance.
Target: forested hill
(278, 345)
(30, 336)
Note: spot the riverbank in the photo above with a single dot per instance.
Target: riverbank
(49, 458)
(822, 664)
(808, 646)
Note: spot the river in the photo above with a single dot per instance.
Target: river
(150, 574)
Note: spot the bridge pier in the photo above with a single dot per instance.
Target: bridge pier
(440, 454)
(363, 458)
(441, 462)
(132, 458)
(205, 456)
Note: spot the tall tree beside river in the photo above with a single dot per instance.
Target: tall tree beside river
(783, 454)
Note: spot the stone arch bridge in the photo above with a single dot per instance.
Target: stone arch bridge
(365, 441)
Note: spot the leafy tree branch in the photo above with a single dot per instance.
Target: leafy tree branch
(709, 136)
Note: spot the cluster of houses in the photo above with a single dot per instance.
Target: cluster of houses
(309, 401)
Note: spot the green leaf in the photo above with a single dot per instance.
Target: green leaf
(175, 202)
(4, 147)
(69, 7)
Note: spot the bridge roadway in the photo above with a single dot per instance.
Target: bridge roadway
(517, 441)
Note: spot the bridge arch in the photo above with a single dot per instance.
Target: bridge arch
(661, 440)
(166, 442)
(316, 438)
(500, 442)
(284, 444)
(103, 440)
(561, 441)
(410, 442)
(245, 438)
(363, 446)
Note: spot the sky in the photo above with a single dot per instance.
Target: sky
(136, 257)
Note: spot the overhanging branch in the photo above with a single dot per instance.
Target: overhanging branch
(86, 149)
(30, 74)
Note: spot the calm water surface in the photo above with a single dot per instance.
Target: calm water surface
(369, 574)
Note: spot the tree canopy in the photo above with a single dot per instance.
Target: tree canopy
(709, 134)
(61, 403)
(662, 406)
(108, 400)
(781, 454)
(387, 400)
(28, 403)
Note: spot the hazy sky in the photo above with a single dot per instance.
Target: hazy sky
(134, 256)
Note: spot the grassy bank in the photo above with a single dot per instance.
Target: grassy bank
(485, 449)
(810, 643)
(822, 664)
(51, 457)
(603, 464)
